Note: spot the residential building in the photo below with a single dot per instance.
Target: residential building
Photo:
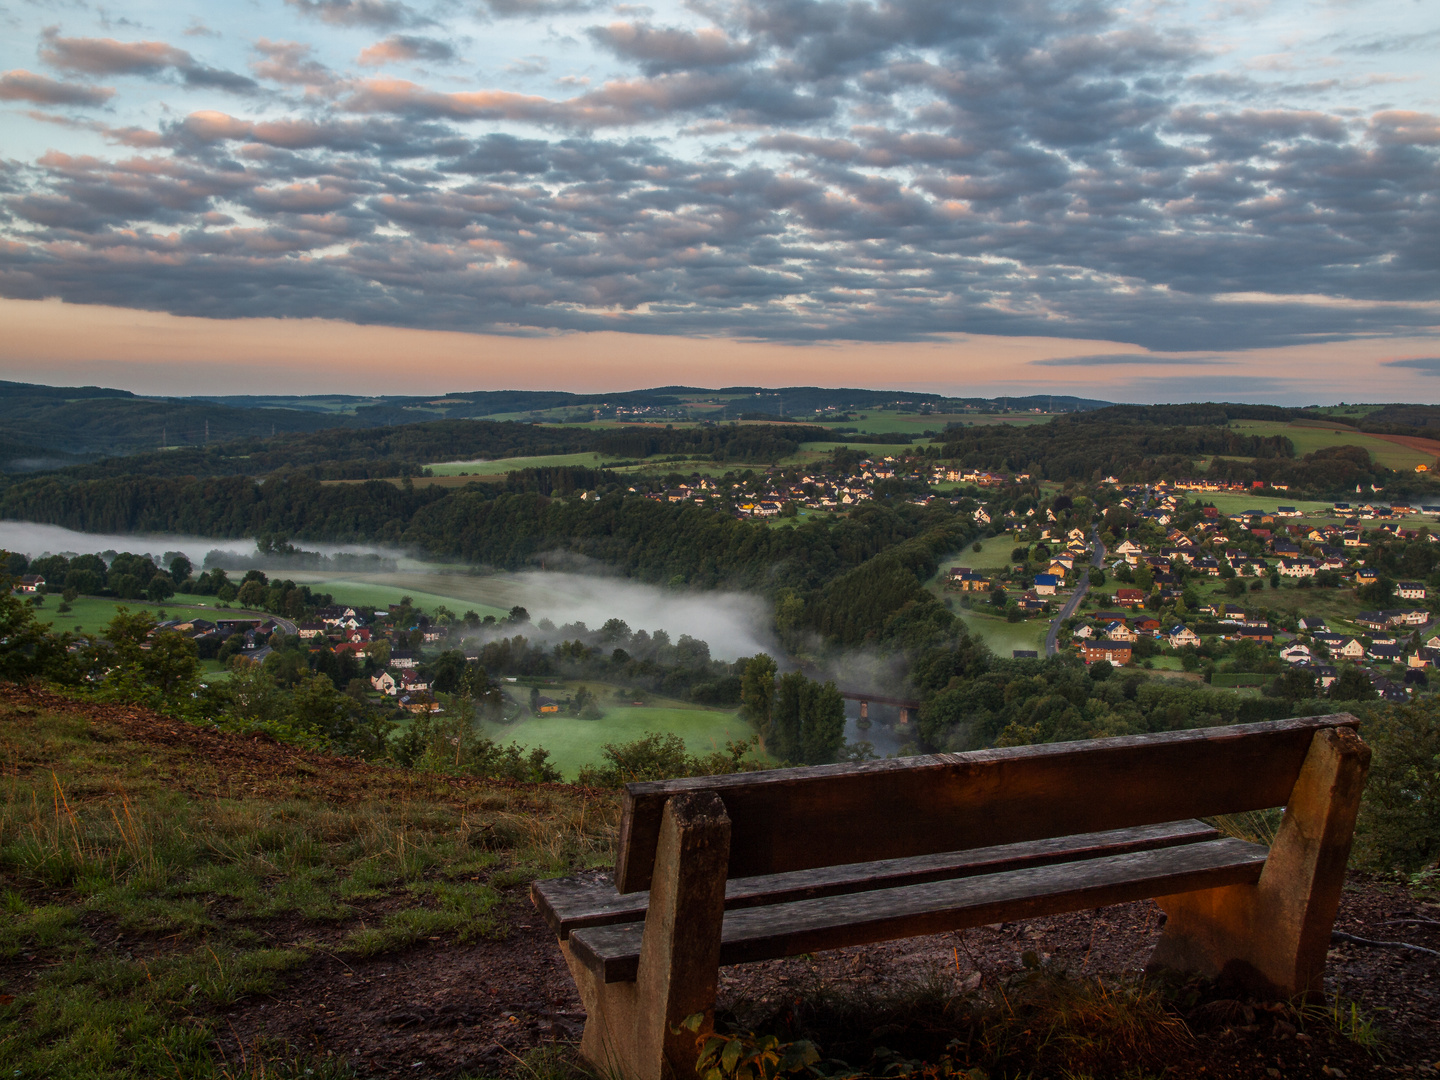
(1116, 653)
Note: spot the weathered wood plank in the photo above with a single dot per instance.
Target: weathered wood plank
(785, 820)
(764, 933)
(570, 904)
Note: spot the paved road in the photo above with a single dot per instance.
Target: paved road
(1097, 559)
(285, 626)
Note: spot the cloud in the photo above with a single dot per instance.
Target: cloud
(381, 13)
(403, 47)
(1127, 359)
(22, 85)
(668, 49)
(290, 62)
(1425, 365)
(106, 56)
(788, 170)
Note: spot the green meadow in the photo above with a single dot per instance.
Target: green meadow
(90, 614)
(1004, 637)
(574, 743)
(500, 466)
(379, 595)
(1311, 435)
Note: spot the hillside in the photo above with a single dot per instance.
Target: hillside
(186, 901)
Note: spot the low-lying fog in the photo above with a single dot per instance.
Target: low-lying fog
(732, 623)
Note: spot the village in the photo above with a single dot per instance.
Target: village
(1233, 597)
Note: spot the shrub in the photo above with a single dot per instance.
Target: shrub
(1399, 826)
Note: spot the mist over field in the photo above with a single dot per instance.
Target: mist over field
(733, 624)
(35, 540)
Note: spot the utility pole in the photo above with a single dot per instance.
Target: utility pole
(207, 432)
(164, 437)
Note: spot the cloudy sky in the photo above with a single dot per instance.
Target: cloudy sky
(1160, 201)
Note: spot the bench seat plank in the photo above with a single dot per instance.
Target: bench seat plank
(570, 904)
(763, 933)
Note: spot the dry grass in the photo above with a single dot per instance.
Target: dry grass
(192, 850)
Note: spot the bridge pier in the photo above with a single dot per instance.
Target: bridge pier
(864, 710)
(904, 714)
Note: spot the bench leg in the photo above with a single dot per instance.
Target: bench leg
(628, 1026)
(1271, 938)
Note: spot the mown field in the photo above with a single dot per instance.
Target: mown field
(1311, 435)
(574, 743)
(1004, 637)
(500, 466)
(380, 594)
(89, 614)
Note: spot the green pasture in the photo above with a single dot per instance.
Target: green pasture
(994, 554)
(500, 466)
(378, 595)
(1230, 503)
(1004, 637)
(574, 743)
(91, 614)
(1311, 435)
(1239, 679)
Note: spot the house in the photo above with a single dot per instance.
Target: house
(1408, 616)
(1387, 690)
(308, 630)
(1373, 620)
(1350, 648)
(1057, 569)
(1148, 626)
(1312, 624)
(1366, 576)
(403, 660)
(419, 703)
(1180, 636)
(969, 581)
(1131, 598)
(1410, 590)
(1385, 654)
(385, 683)
(1118, 631)
(1045, 584)
(1252, 633)
(1116, 653)
(1295, 654)
(1297, 568)
(545, 705)
(30, 583)
(1083, 633)
(1129, 549)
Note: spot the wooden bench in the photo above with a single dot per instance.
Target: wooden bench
(729, 869)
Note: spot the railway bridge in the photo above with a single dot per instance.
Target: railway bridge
(905, 705)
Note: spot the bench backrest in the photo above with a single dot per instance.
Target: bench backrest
(784, 820)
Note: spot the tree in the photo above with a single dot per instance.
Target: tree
(1352, 684)
(251, 594)
(1096, 576)
(180, 568)
(1296, 684)
(757, 691)
(160, 589)
(808, 722)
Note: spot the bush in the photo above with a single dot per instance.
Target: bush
(1399, 826)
